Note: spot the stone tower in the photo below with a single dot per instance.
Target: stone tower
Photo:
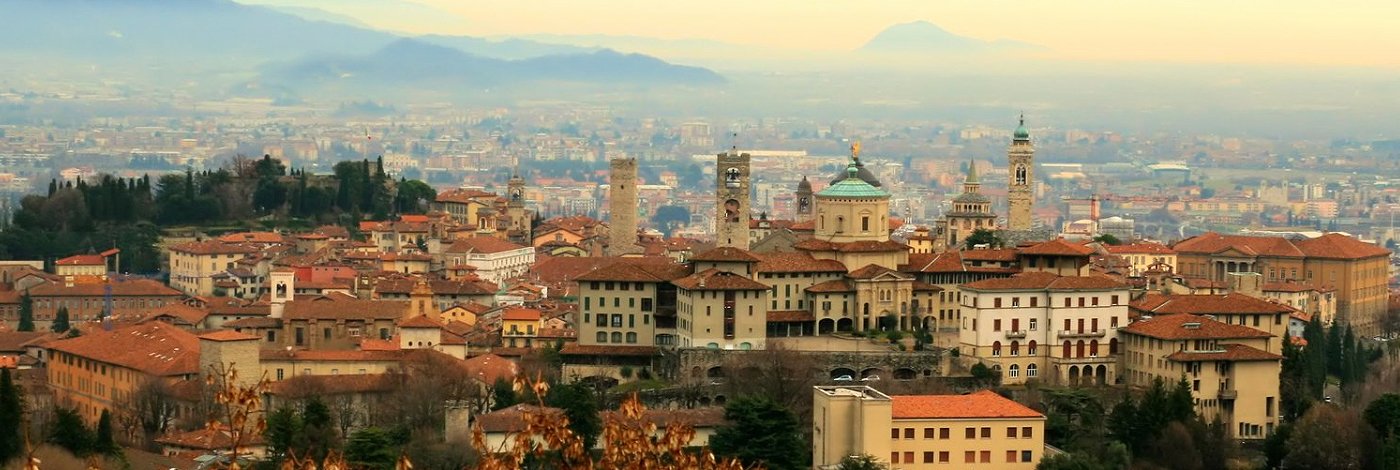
(732, 200)
(1021, 169)
(519, 229)
(804, 201)
(622, 207)
(283, 282)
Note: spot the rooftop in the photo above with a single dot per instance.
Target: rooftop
(983, 404)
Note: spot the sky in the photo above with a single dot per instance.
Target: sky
(1292, 32)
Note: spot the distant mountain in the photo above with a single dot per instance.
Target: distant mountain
(928, 38)
(415, 62)
(317, 14)
(194, 36)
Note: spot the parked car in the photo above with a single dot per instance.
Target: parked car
(870, 378)
(843, 378)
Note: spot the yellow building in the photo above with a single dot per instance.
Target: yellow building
(1142, 255)
(104, 370)
(194, 264)
(977, 430)
(520, 327)
(1233, 375)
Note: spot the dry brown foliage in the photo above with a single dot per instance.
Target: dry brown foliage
(239, 407)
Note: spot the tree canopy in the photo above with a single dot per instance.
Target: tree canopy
(761, 432)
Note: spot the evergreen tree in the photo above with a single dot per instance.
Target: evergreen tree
(503, 395)
(103, 442)
(26, 312)
(318, 428)
(761, 432)
(282, 433)
(60, 321)
(580, 407)
(11, 414)
(70, 433)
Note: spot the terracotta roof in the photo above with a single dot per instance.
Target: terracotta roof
(600, 350)
(871, 271)
(520, 314)
(725, 253)
(714, 279)
(789, 316)
(482, 245)
(832, 286)
(376, 344)
(419, 321)
(488, 368)
(182, 312)
(155, 348)
(464, 195)
(983, 404)
(1186, 327)
(920, 286)
(227, 335)
(308, 385)
(1057, 247)
(212, 247)
(82, 260)
(568, 268)
(120, 288)
(438, 286)
(1211, 243)
(943, 262)
(1044, 280)
(512, 419)
(795, 262)
(254, 322)
(1286, 287)
(627, 270)
(14, 341)
(327, 307)
(1233, 303)
(330, 355)
(866, 246)
(1338, 246)
(209, 438)
(990, 254)
(1229, 352)
(1140, 248)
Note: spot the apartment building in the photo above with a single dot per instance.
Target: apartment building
(629, 302)
(1233, 375)
(976, 430)
(106, 370)
(193, 265)
(493, 259)
(1232, 309)
(1038, 325)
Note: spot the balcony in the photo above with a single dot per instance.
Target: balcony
(1083, 334)
(1085, 359)
(1229, 394)
(1013, 334)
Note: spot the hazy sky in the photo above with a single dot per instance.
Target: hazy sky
(1305, 32)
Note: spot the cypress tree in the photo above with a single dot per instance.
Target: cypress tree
(60, 320)
(11, 412)
(26, 312)
(103, 443)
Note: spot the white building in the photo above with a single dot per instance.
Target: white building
(1036, 325)
(494, 259)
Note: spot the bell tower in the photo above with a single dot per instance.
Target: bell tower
(622, 207)
(1021, 169)
(515, 209)
(804, 200)
(732, 200)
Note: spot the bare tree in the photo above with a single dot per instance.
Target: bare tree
(784, 375)
(149, 412)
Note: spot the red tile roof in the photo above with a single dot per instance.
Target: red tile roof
(600, 350)
(209, 439)
(488, 368)
(419, 321)
(1227, 304)
(482, 245)
(871, 271)
(1140, 248)
(438, 286)
(1048, 281)
(832, 286)
(812, 244)
(1338, 246)
(627, 270)
(333, 308)
(795, 262)
(253, 237)
(120, 288)
(330, 355)
(520, 314)
(1211, 243)
(1187, 327)
(1229, 352)
(725, 254)
(999, 254)
(714, 279)
(155, 348)
(212, 247)
(1057, 247)
(227, 335)
(983, 404)
(82, 260)
(512, 419)
(789, 316)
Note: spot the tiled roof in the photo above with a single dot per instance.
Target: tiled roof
(419, 321)
(1057, 247)
(1229, 352)
(795, 262)
(520, 314)
(210, 439)
(920, 286)
(182, 312)
(725, 254)
(1211, 243)
(983, 404)
(82, 260)
(324, 308)
(1140, 248)
(627, 270)
(212, 247)
(1338, 246)
(512, 419)
(155, 348)
(600, 350)
(464, 195)
(309, 385)
(1233, 303)
(120, 288)
(227, 335)
(871, 271)
(488, 368)
(1186, 327)
(330, 355)
(714, 279)
(567, 268)
(438, 286)
(253, 237)
(865, 246)
(943, 262)
(14, 341)
(991, 254)
(482, 245)
(788, 316)
(1286, 287)
(254, 322)
(832, 286)
(1043, 280)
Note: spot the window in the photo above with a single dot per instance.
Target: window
(1013, 371)
(1015, 301)
(987, 432)
(943, 456)
(1033, 326)
(971, 433)
(996, 324)
(928, 457)
(1015, 348)
(986, 456)
(617, 320)
(970, 456)
(1030, 349)
(602, 319)
(996, 303)
(928, 433)
(631, 320)
(602, 337)
(631, 337)
(894, 433)
(1011, 432)
(1095, 300)
(617, 337)
(646, 305)
(1011, 455)
(326, 332)
(1026, 432)
(996, 348)
(1113, 299)
(908, 433)
(943, 433)
(1035, 301)
(1031, 371)
(894, 457)
(908, 457)
(1026, 456)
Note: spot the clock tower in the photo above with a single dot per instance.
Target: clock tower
(1021, 169)
(803, 202)
(732, 200)
(519, 229)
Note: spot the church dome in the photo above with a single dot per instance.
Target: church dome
(853, 185)
(972, 198)
(1021, 132)
(862, 173)
(804, 185)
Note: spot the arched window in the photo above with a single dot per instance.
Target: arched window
(631, 337)
(1079, 347)
(617, 337)
(602, 336)
(996, 349)
(1094, 348)
(1113, 346)
(1021, 174)
(1066, 353)
(1030, 348)
(1013, 371)
(1031, 370)
(840, 224)
(996, 368)
(1015, 348)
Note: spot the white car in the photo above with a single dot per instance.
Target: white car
(870, 378)
(843, 378)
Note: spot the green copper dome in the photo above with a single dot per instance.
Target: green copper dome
(1021, 132)
(852, 186)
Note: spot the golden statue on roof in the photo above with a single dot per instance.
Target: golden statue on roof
(855, 151)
